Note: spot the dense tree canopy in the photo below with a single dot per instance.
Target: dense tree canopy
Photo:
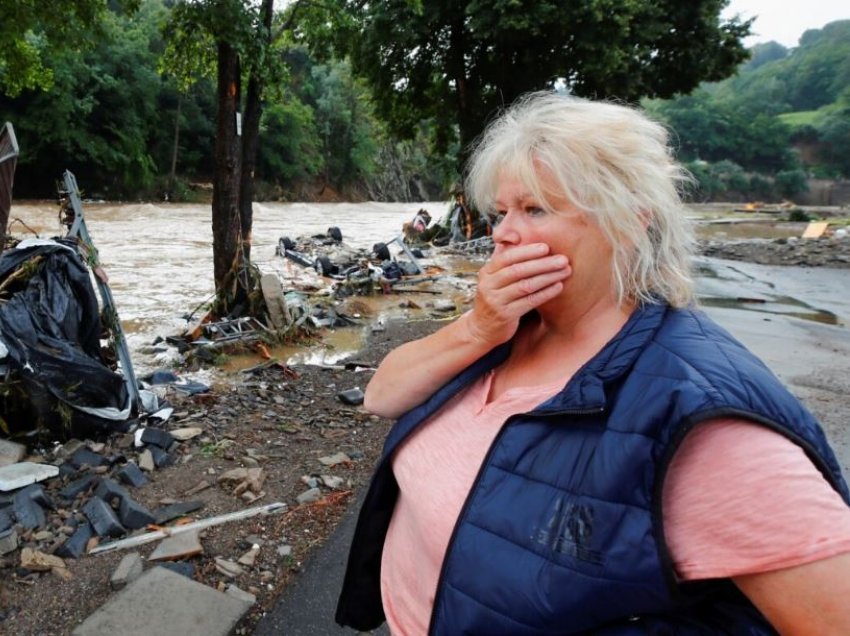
(457, 61)
(32, 33)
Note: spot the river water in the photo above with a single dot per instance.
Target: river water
(158, 257)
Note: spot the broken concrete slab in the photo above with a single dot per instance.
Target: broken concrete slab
(75, 546)
(11, 452)
(27, 510)
(132, 475)
(102, 518)
(8, 542)
(239, 593)
(22, 474)
(84, 457)
(129, 569)
(157, 437)
(78, 486)
(160, 457)
(5, 521)
(179, 546)
(173, 511)
(162, 602)
(134, 515)
(110, 491)
(183, 568)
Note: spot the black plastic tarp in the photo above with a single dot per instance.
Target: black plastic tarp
(51, 328)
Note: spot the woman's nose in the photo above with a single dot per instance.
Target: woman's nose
(504, 231)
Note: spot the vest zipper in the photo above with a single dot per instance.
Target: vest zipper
(586, 411)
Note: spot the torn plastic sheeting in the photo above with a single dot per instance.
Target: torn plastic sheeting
(51, 327)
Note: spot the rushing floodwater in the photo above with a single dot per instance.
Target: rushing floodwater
(159, 259)
(159, 256)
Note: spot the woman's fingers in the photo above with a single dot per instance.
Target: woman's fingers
(512, 283)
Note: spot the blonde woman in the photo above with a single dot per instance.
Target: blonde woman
(584, 451)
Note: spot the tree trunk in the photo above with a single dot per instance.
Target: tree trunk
(250, 137)
(225, 204)
(172, 175)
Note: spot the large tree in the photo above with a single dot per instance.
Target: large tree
(458, 61)
(233, 38)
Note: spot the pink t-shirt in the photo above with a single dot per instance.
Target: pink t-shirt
(791, 516)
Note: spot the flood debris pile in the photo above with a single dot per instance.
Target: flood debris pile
(824, 251)
(67, 499)
(357, 271)
(57, 377)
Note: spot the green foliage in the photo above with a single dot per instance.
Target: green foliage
(790, 183)
(798, 215)
(99, 115)
(33, 34)
(456, 62)
(779, 97)
(727, 181)
(290, 148)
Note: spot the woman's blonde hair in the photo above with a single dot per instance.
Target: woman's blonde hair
(609, 160)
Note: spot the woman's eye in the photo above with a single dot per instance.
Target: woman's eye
(533, 210)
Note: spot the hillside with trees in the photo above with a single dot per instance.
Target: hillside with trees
(782, 119)
(381, 101)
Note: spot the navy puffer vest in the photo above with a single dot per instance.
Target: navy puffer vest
(562, 533)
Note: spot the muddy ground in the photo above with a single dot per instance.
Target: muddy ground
(281, 419)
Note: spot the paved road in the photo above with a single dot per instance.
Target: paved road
(811, 357)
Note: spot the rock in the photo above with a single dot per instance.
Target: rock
(228, 568)
(249, 557)
(183, 434)
(351, 396)
(146, 461)
(11, 452)
(129, 569)
(284, 550)
(333, 460)
(39, 561)
(309, 496)
(181, 545)
(333, 482)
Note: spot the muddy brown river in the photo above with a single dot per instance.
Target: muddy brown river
(158, 257)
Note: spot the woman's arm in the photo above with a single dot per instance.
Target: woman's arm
(813, 598)
(511, 284)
